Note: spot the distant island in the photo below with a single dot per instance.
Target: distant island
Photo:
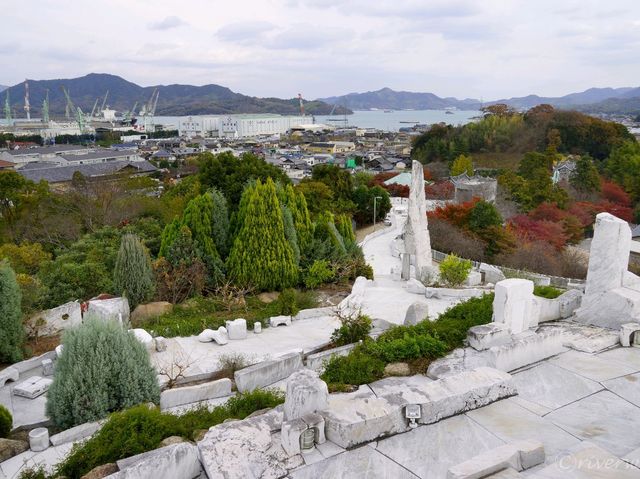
(593, 100)
(174, 100)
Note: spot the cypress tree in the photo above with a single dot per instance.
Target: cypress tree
(290, 234)
(326, 231)
(220, 222)
(301, 218)
(261, 256)
(133, 275)
(345, 228)
(169, 235)
(11, 329)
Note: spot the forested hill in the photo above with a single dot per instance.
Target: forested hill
(504, 130)
(173, 99)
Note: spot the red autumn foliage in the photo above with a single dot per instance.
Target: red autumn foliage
(548, 212)
(441, 190)
(530, 230)
(380, 178)
(614, 193)
(621, 211)
(401, 191)
(457, 214)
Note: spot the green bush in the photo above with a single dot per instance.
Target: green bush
(353, 329)
(133, 275)
(425, 340)
(11, 329)
(36, 472)
(6, 421)
(287, 302)
(355, 368)
(548, 292)
(454, 270)
(319, 273)
(103, 368)
(142, 428)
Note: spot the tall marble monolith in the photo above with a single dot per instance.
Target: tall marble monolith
(416, 229)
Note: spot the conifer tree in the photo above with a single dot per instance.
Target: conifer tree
(290, 233)
(11, 329)
(261, 256)
(169, 235)
(345, 228)
(301, 218)
(220, 222)
(133, 274)
(103, 368)
(326, 231)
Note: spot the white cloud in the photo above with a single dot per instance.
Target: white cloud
(463, 48)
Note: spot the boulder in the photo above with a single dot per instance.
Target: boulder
(306, 393)
(114, 309)
(415, 287)
(53, 321)
(10, 448)
(160, 344)
(219, 336)
(485, 336)
(101, 471)
(171, 440)
(397, 369)
(513, 304)
(178, 461)
(142, 336)
(415, 313)
(147, 311)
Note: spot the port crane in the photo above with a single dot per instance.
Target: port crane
(104, 101)
(7, 109)
(301, 104)
(149, 110)
(45, 108)
(93, 110)
(27, 106)
(77, 112)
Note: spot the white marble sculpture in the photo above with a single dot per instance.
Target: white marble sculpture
(416, 229)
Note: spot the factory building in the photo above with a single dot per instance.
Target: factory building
(237, 126)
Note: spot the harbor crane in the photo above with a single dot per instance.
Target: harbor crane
(27, 106)
(104, 101)
(93, 110)
(45, 108)
(301, 104)
(149, 110)
(77, 112)
(69, 109)
(7, 109)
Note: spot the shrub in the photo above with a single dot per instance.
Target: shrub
(454, 270)
(287, 302)
(319, 273)
(141, 429)
(355, 368)
(232, 362)
(449, 238)
(548, 292)
(133, 275)
(103, 368)
(11, 330)
(6, 421)
(353, 329)
(36, 472)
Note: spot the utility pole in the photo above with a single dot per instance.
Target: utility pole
(375, 198)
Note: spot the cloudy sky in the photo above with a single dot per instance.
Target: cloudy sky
(463, 48)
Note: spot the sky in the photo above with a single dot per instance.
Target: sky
(487, 49)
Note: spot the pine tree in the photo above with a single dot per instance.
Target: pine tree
(11, 329)
(103, 368)
(261, 255)
(133, 275)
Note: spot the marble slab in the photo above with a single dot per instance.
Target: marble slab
(361, 463)
(587, 461)
(605, 419)
(627, 387)
(511, 422)
(553, 387)
(597, 368)
(628, 356)
(429, 451)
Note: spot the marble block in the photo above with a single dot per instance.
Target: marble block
(9, 374)
(283, 320)
(486, 336)
(237, 329)
(416, 312)
(513, 304)
(39, 439)
(47, 367)
(33, 387)
(627, 332)
(257, 327)
(306, 393)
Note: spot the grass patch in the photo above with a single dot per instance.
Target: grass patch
(548, 292)
(197, 314)
(142, 428)
(419, 344)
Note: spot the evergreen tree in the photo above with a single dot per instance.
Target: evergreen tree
(585, 178)
(462, 164)
(103, 368)
(133, 275)
(326, 231)
(11, 329)
(220, 222)
(302, 220)
(345, 228)
(169, 235)
(261, 256)
(290, 233)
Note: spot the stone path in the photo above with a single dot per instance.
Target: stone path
(582, 407)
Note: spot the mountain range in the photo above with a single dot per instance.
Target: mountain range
(609, 100)
(179, 100)
(173, 100)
